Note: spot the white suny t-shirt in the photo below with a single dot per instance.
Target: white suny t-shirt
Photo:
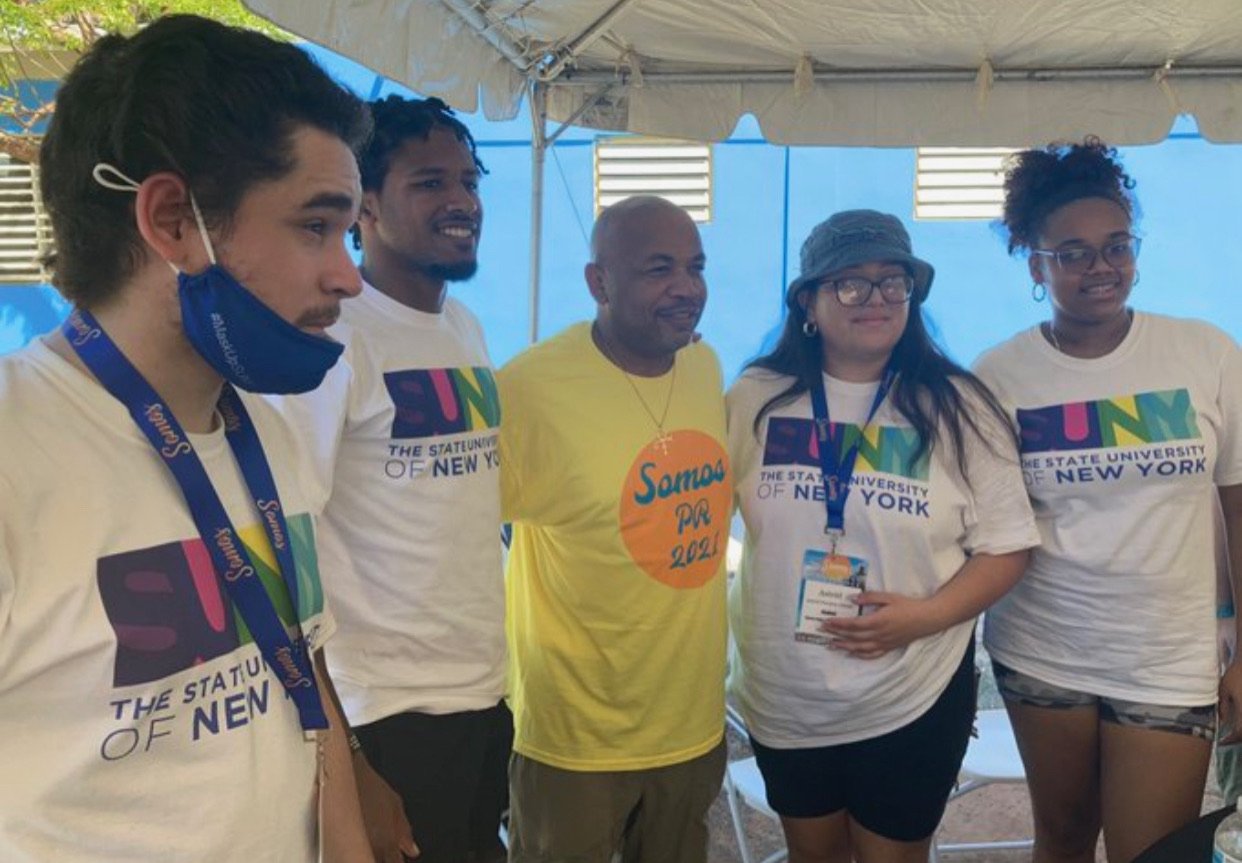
(405, 432)
(1121, 456)
(139, 721)
(913, 521)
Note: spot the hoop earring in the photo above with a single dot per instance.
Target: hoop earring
(1136, 278)
(809, 328)
(1039, 292)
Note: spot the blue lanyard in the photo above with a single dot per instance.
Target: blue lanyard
(837, 470)
(287, 657)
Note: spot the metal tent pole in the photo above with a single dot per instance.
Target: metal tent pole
(538, 154)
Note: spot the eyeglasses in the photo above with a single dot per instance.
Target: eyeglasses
(1119, 254)
(856, 291)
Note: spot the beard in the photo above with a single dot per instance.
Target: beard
(458, 271)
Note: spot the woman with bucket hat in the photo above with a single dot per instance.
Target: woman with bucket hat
(884, 509)
(1131, 433)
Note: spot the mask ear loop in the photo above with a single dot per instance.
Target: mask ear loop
(104, 174)
(111, 177)
(202, 230)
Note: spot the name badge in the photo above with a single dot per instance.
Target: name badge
(829, 581)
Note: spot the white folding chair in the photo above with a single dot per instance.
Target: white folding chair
(991, 758)
(743, 784)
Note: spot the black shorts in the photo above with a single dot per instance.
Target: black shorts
(452, 772)
(895, 785)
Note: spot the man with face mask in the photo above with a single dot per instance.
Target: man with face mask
(405, 432)
(616, 479)
(160, 604)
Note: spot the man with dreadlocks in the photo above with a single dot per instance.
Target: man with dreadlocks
(406, 433)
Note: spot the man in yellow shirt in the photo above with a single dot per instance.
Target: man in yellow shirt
(614, 473)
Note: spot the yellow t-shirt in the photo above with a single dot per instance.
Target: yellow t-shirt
(615, 580)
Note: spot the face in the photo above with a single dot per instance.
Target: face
(865, 332)
(1100, 293)
(428, 213)
(648, 281)
(286, 242)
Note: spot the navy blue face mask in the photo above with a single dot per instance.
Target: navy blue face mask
(247, 343)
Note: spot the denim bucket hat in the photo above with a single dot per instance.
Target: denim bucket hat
(854, 237)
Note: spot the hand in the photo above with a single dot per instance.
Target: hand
(1230, 706)
(388, 830)
(897, 621)
(1226, 634)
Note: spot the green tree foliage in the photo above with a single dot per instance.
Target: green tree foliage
(40, 39)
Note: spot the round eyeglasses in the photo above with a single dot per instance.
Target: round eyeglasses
(856, 291)
(1076, 260)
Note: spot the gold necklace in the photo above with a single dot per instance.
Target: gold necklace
(662, 437)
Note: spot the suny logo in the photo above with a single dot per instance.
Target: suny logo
(170, 611)
(431, 402)
(883, 449)
(1120, 421)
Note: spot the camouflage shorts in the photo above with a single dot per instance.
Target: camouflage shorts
(1023, 689)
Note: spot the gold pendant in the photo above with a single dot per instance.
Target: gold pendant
(662, 441)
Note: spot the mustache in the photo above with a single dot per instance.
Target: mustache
(324, 317)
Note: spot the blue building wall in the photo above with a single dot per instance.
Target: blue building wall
(1187, 190)
(766, 199)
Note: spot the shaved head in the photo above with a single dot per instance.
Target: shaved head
(646, 276)
(616, 224)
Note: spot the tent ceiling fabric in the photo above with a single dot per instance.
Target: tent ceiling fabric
(850, 72)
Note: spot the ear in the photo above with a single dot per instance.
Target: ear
(370, 207)
(804, 300)
(166, 222)
(1035, 263)
(594, 274)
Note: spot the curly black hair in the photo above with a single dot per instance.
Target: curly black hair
(1039, 181)
(397, 120)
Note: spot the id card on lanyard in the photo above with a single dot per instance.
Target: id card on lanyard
(828, 580)
(286, 656)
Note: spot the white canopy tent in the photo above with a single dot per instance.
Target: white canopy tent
(828, 72)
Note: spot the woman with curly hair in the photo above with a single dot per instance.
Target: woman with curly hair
(884, 510)
(1131, 430)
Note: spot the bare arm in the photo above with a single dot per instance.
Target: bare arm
(386, 829)
(343, 839)
(899, 619)
(1231, 682)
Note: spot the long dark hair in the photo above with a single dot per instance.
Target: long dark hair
(926, 392)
